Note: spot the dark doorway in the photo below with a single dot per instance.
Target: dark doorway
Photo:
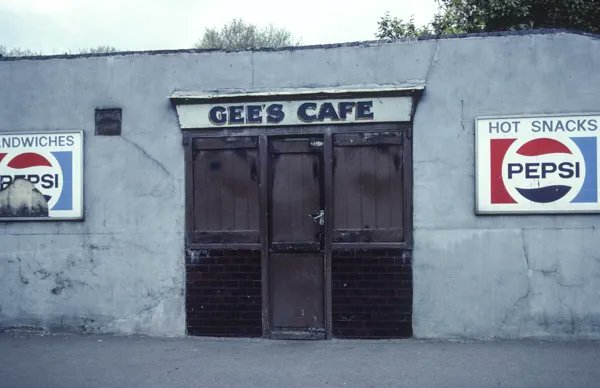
(302, 232)
(296, 222)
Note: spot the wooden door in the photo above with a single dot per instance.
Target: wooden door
(297, 219)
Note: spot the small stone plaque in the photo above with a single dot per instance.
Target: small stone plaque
(108, 121)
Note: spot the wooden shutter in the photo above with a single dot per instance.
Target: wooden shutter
(225, 194)
(369, 188)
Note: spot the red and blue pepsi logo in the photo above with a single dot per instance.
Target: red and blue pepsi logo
(50, 172)
(543, 170)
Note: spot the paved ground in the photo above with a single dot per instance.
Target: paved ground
(107, 361)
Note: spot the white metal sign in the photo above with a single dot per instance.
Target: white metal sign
(302, 112)
(537, 164)
(41, 176)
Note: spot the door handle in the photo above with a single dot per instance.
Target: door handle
(318, 217)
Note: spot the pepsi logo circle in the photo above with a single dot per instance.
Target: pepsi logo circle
(543, 170)
(40, 168)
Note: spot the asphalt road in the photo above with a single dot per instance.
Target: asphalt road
(109, 361)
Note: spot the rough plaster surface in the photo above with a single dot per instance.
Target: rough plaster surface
(499, 276)
(122, 269)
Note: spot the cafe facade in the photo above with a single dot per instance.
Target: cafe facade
(432, 188)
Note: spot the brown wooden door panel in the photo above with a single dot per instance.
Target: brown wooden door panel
(225, 191)
(297, 291)
(368, 187)
(295, 193)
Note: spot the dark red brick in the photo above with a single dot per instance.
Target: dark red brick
(223, 295)
(372, 294)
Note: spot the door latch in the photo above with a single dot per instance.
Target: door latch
(318, 217)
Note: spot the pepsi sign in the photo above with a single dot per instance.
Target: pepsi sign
(538, 164)
(41, 176)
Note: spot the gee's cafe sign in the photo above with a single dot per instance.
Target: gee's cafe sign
(302, 112)
(53, 163)
(541, 164)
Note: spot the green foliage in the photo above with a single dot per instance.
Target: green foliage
(17, 52)
(394, 28)
(239, 35)
(459, 16)
(502, 15)
(97, 50)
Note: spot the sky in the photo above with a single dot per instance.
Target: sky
(58, 26)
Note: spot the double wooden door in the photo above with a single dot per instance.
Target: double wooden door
(295, 202)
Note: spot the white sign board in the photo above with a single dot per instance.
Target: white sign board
(41, 176)
(537, 164)
(301, 112)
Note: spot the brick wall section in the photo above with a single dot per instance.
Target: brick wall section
(372, 293)
(223, 293)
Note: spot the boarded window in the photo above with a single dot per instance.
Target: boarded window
(368, 185)
(225, 191)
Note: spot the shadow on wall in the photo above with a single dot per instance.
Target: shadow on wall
(21, 199)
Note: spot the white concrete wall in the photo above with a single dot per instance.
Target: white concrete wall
(500, 276)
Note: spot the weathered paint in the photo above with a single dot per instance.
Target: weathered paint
(122, 270)
(21, 199)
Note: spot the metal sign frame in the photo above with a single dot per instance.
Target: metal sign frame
(484, 206)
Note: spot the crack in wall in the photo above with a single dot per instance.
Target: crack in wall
(554, 274)
(22, 277)
(147, 155)
(462, 114)
(433, 60)
(525, 250)
(571, 317)
(525, 296)
(550, 273)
